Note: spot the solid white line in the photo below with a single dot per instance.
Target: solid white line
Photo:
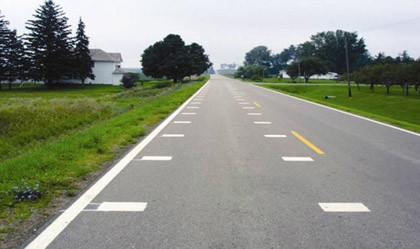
(344, 207)
(275, 136)
(297, 159)
(193, 107)
(254, 114)
(182, 122)
(122, 206)
(59, 224)
(156, 158)
(343, 112)
(173, 135)
(188, 113)
(262, 122)
(248, 107)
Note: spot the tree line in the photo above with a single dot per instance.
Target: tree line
(326, 52)
(172, 59)
(48, 53)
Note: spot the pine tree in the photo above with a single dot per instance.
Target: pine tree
(50, 44)
(83, 61)
(4, 36)
(16, 59)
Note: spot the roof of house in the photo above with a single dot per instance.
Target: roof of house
(127, 70)
(100, 55)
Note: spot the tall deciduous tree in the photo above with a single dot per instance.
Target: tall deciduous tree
(330, 49)
(260, 56)
(50, 44)
(172, 59)
(83, 63)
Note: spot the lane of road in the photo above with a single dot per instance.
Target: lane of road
(243, 167)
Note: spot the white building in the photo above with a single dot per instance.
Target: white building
(107, 67)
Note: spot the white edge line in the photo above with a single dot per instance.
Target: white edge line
(61, 222)
(347, 113)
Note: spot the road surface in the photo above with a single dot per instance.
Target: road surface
(238, 166)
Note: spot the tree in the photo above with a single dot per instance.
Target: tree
(329, 49)
(199, 60)
(253, 72)
(170, 58)
(50, 44)
(260, 55)
(308, 67)
(83, 63)
(4, 40)
(129, 80)
(17, 64)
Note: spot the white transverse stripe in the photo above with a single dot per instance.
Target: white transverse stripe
(173, 135)
(122, 207)
(59, 224)
(156, 158)
(244, 103)
(182, 122)
(343, 207)
(195, 103)
(188, 113)
(239, 99)
(248, 107)
(193, 107)
(253, 114)
(274, 136)
(262, 122)
(297, 159)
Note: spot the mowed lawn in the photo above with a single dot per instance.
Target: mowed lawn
(394, 108)
(55, 138)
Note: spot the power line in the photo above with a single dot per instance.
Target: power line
(392, 24)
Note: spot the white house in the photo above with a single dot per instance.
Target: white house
(107, 67)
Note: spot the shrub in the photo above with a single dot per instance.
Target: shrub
(129, 80)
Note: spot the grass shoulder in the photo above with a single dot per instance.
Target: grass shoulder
(58, 139)
(395, 108)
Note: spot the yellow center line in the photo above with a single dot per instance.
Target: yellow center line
(258, 105)
(309, 144)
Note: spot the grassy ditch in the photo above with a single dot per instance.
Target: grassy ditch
(54, 138)
(394, 108)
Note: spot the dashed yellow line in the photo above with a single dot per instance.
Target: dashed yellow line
(258, 105)
(309, 144)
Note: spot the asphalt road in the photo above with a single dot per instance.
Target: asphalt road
(220, 182)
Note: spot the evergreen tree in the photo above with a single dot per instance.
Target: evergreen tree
(50, 44)
(16, 66)
(83, 61)
(4, 36)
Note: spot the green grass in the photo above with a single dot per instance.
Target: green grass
(287, 80)
(57, 137)
(394, 108)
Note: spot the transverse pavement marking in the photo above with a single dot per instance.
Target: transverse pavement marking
(193, 107)
(248, 107)
(182, 122)
(344, 207)
(254, 114)
(122, 206)
(244, 103)
(256, 103)
(172, 135)
(262, 122)
(195, 103)
(297, 159)
(59, 224)
(154, 158)
(274, 136)
(309, 144)
(239, 99)
(188, 113)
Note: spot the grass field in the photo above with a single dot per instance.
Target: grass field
(288, 80)
(54, 138)
(395, 108)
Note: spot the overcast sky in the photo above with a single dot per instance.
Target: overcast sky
(228, 29)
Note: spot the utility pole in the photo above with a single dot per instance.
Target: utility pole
(347, 63)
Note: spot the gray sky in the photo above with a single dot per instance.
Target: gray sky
(230, 28)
